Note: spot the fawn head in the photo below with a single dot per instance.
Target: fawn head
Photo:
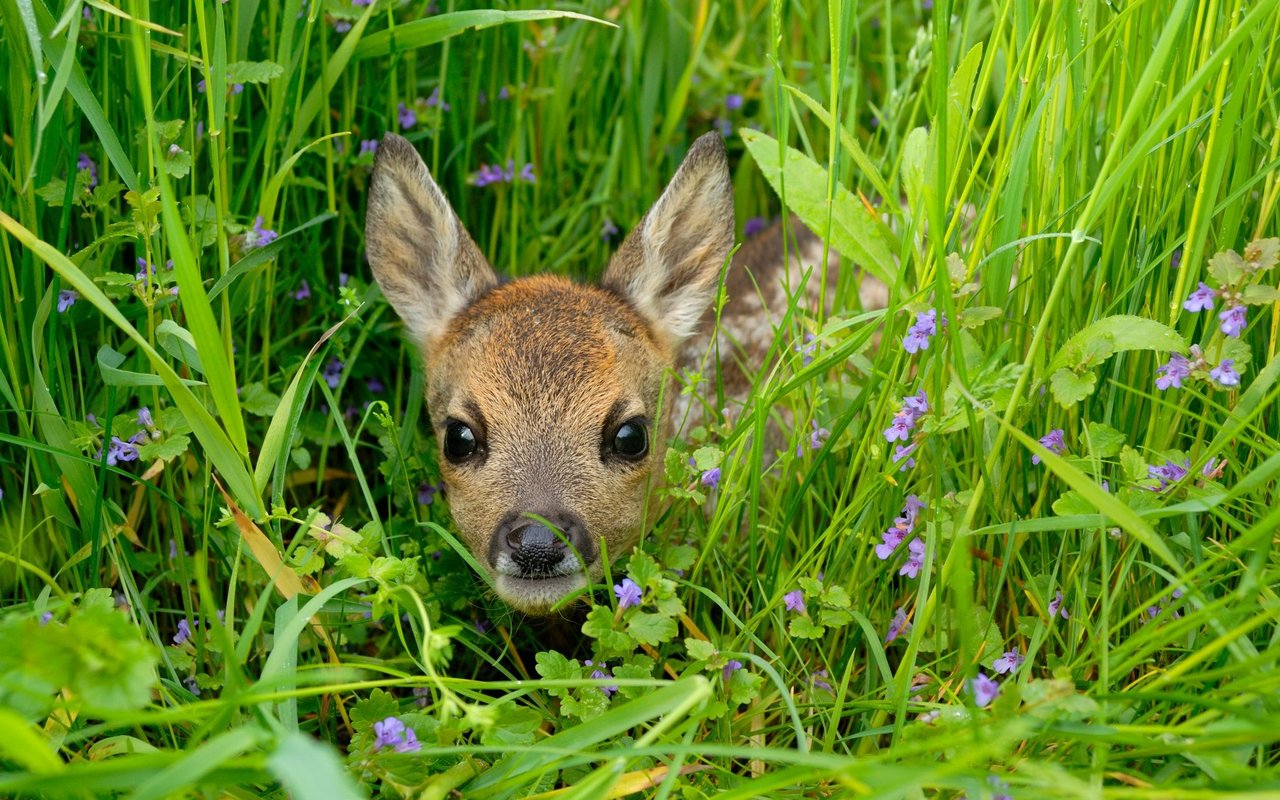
(544, 395)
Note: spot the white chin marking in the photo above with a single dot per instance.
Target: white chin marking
(537, 595)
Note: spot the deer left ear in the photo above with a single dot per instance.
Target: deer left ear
(668, 266)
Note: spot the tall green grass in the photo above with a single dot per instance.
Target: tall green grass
(1053, 179)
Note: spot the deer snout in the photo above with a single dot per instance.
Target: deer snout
(535, 545)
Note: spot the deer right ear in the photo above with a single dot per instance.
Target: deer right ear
(424, 260)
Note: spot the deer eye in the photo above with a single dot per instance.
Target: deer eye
(459, 441)
(631, 439)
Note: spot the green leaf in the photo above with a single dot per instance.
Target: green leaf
(1262, 254)
(256, 399)
(166, 449)
(1105, 440)
(643, 569)
(705, 458)
(1125, 332)
(1133, 464)
(600, 626)
(1257, 295)
(1227, 267)
(651, 629)
(438, 28)
(1070, 388)
(700, 650)
(178, 342)
(804, 628)
(1072, 504)
(253, 71)
(854, 232)
(915, 153)
(974, 316)
(744, 686)
(307, 768)
(836, 597)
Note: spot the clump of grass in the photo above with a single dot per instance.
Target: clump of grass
(1019, 542)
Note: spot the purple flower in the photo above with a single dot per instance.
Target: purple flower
(918, 335)
(368, 147)
(915, 559)
(1000, 787)
(46, 617)
(902, 526)
(120, 450)
(1052, 442)
(900, 428)
(259, 236)
(819, 680)
(897, 626)
(806, 349)
(913, 407)
(184, 632)
(1173, 373)
(733, 666)
(628, 593)
(753, 225)
(201, 86)
(145, 419)
(1008, 662)
(608, 230)
(903, 455)
(984, 690)
(1201, 299)
(433, 100)
(1169, 473)
(304, 291)
(333, 373)
(1233, 320)
(66, 299)
(917, 404)
(711, 477)
(406, 116)
(733, 101)
(526, 174)
(427, 492)
(85, 163)
(388, 732)
(199, 130)
(601, 673)
(375, 386)
(237, 88)
(818, 436)
(1175, 259)
(1225, 373)
(1055, 606)
(724, 126)
(794, 601)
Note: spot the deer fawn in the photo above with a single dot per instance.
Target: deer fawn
(547, 397)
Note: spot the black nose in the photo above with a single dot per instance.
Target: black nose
(541, 545)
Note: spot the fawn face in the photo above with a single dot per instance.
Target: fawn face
(547, 397)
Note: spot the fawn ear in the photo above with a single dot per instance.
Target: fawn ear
(668, 266)
(424, 260)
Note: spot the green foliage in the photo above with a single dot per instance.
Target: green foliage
(1051, 180)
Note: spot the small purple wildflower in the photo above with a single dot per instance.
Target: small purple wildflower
(1000, 788)
(1233, 321)
(1225, 373)
(897, 626)
(1173, 373)
(120, 450)
(333, 373)
(360, 3)
(375, 386)
(913, 407)
(368, 147)
(794, 601)
(1169, 473)
(427, 492)
(526, 174)
(237, 88)
(724, 126)
(66, 299)
(1201, 299)
(711, 478)
(304, 291)
(806, 349)
(388, 732)
(608, 230)
(145, 419)
(1053, 442)
(600, 673)
(818, 436)
(259, 236)
(731, 667)
(406, 116)
(83, 163)
(628, 593)
(422, 696)
(46, 617)
(434, 100)
(1175, 259)
(753, 225)
(915, 558)
(984, 690)
(1055, 606)
(903, 456)
(192, 685)
(184, 632)
(820, 680)
(902, 526)
(918, 335)
(199, 130)
(1008, 662)
(733, 101)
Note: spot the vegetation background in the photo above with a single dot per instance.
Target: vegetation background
(227, 568)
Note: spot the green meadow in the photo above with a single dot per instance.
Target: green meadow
(1019, 536)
